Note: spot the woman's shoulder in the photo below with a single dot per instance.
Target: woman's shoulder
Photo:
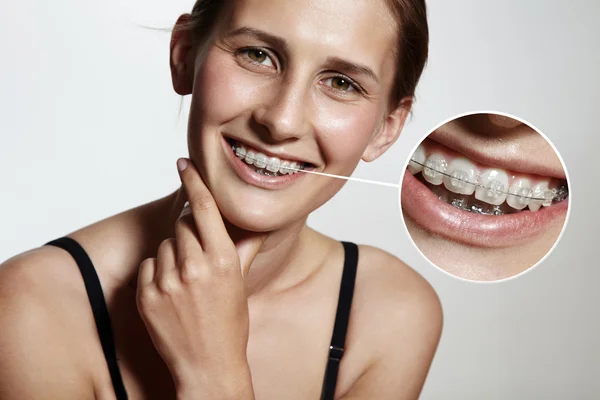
(42, 278)
(385, 283)
(37, 270)
(395, 327)
(33, 281)
(42, 285)
(389, 281)
(396, 316)
(42, 310)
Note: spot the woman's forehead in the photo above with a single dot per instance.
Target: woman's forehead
(361, 30)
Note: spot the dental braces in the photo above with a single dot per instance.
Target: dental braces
(300, 168)
(476, 208)
(555, 195)
(552, 196)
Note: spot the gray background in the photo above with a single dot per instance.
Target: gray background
(90, 126)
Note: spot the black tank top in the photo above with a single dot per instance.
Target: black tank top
(103, 324)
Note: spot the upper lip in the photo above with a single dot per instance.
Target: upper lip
(277, 152)
(506, 154)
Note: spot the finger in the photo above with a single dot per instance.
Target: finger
(186, 236)
(166, 265)
(247, 249)
(206, 215)
(146, 272)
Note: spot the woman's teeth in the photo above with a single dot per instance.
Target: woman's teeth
(271, 166)
(485, 191)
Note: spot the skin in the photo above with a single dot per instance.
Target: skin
(498, 136)
(255, 290)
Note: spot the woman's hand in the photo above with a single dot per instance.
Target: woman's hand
(193, 302)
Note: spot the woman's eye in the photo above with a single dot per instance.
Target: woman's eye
(342, 84)
(259, 56)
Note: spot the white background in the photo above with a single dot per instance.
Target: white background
(90, 126)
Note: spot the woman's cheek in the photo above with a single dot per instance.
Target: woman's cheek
(224, 89)
(345, 131)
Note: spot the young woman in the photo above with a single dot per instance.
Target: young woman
(235, 297)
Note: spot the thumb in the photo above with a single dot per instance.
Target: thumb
(247, 249)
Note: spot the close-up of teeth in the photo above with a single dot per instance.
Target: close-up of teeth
(482, 191)
(264, 165)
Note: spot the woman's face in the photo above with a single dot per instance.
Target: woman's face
(474, 232)
(304, 82)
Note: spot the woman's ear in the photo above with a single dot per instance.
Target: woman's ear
(389, 131)
(181, 56)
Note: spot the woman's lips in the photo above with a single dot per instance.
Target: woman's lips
(441, 218)
(251, 177)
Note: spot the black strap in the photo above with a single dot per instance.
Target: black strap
(338, 339)
(99, 309)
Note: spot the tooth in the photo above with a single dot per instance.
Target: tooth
(462, 171)
(549, 196)
(240, 151)
(495, 183)
(434, 167)
(284, 167)
(293, 168)
(538, 191)
(418, 156)
(519, 194)
(250, 157)
(273, 164)
(260, 161)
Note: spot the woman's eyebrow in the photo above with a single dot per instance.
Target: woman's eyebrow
(340, 63)
(260, 35)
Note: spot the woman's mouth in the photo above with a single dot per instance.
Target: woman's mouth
(265, 165)
(261, 168)
(451, 195)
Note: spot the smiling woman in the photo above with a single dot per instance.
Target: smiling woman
(220, 290)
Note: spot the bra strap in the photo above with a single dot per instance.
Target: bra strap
(338, 339)
(99, 309)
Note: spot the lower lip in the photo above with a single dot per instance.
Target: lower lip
(443, 219)
(251, 177)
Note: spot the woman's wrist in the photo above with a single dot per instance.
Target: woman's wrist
(221, 385)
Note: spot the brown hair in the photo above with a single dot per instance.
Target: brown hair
(411, 52)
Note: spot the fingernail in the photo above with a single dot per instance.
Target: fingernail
(186, 209)
(182, 164)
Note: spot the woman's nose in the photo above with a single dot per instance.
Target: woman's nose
(285, 114)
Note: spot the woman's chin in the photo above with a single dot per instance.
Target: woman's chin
(254, 218)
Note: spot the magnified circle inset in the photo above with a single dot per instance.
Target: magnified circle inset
(485, 196)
